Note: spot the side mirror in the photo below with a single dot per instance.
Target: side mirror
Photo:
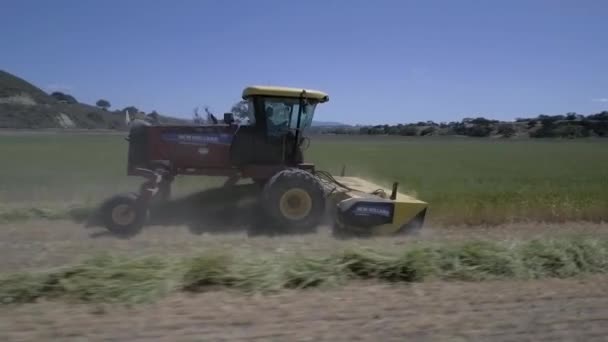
(228, 118)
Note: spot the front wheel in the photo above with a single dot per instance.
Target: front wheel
(294, 200)
(123, 215)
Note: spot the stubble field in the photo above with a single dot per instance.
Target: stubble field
(506, 217)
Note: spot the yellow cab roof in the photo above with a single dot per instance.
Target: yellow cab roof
(284, 92)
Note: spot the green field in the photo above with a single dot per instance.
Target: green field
(466, 181)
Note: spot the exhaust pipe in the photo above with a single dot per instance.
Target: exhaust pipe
(127, 118)
(394, 192)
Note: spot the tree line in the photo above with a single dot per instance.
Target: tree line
(570, 125)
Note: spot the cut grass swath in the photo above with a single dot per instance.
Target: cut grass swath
(123, 280)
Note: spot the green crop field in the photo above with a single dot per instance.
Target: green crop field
(465, 181)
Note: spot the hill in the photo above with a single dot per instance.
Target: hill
(25, 106)
(570, 125)
(328, 124)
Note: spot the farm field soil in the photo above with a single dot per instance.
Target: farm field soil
(544, 310)
(41, 244)
(549, 309)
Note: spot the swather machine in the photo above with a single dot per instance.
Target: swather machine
(266, 146)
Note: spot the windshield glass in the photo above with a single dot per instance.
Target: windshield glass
(282, 114)
(243, 110)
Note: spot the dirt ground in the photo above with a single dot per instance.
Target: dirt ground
(43, 244)
(567, 310)
(548, 310)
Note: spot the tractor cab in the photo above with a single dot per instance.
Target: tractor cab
(274, 125)
(280, 110)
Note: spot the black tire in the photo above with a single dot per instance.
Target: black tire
(293, 201)
(133, 215)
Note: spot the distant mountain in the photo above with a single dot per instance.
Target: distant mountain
(328, 124)
(25, 106)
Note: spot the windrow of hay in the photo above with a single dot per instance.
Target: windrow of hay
(78, 214)
(123, 280)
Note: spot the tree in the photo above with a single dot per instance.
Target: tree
(547, 129)
(153, 117)
(103, 104)
(393, 130)
(597, 123)
(409, 131)
(479, 131)
(365, 130)
(65, 98)
(96, 117)
(482, 121)
(506, 130)
(240, 110)
(428, 131)
(603, 116)
(58, 95)
(131, 110)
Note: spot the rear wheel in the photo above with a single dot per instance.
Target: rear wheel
(294, 201)
(123, 215)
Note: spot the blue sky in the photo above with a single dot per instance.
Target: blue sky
(380, 61)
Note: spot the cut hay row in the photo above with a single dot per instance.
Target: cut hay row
(77, 214)
(118, 279)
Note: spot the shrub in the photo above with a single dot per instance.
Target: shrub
(104, 104)
(506, 130)
(65, 98)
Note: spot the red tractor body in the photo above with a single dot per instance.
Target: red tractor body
(200, 150)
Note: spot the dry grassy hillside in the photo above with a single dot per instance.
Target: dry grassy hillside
(25, 106)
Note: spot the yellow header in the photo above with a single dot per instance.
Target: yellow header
(284, 92)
